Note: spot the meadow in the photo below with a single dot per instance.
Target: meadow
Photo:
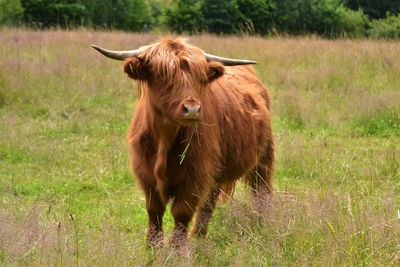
(67, 196)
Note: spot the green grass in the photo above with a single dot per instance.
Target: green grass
(67, 196)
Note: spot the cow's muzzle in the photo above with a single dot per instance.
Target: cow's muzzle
(190, 110)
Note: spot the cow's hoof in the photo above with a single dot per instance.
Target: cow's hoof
(178, 239)
(156, 240)
(198, 232)
(184, 249)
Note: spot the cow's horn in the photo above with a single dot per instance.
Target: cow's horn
(229, 61)
(118, 55)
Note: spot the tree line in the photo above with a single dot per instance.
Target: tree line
(328, 18)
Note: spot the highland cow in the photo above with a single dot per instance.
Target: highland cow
(201, 123)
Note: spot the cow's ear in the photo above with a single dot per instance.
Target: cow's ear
(215, 70)
(136, 69)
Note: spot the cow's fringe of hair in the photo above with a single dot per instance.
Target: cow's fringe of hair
(168, 68)
(140, 87)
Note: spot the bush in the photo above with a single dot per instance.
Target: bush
(132, 15)
(388, 27)
(158, 9)
(11, 12)
(227, 16)
(184, 16)
(351, 23)
(305, 16)
(257, 16)
(221, 16)
(51, 13)
(374, 9)
(136, 15)
(328, 18)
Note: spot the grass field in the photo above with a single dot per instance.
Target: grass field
(66, 192)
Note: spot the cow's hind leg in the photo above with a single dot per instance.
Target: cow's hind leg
(204, 214)
(260, 179)
(155, 210)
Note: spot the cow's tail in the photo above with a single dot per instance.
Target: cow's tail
(227, 191)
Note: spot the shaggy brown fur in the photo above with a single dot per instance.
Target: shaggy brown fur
(191, 161)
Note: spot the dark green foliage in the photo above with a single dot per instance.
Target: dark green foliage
(221, 16)
(119, 14)
(257, 15)
(388, 27)
(323, 17)
(328, 18)
(351, 23)
(228, 16)
(185, 16)
(157, 8)
(11, 12)
(54, 13)
(375, 9)
(130, 15)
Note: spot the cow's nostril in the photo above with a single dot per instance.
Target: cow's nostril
(185, 109)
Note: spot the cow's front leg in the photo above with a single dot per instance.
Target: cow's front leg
(155, 210)
(182, 211)
(204, 214)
